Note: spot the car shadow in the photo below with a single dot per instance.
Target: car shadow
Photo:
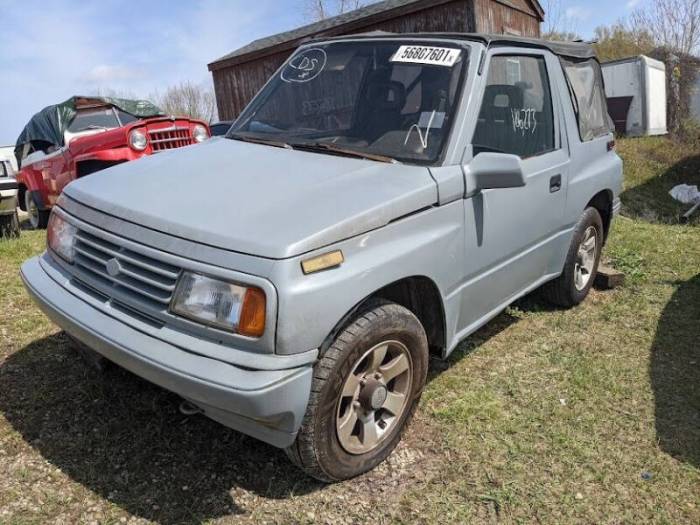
(651, 201)
(533, 302)
(675, 374)
(125, 439)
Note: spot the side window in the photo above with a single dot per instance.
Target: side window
(588, 96)
(3, 169)
(516, 111)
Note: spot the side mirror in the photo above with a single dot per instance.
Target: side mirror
(494, 170)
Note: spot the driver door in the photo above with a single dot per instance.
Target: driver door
(514, 237)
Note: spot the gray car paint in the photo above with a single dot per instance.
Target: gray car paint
(258, 211)
(254, 200)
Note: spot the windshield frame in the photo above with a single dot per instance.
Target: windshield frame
(115, 111)
(465, 46)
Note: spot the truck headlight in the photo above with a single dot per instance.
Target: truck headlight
(137, 140)
(60, 236)
(199, 133)
(220, 304)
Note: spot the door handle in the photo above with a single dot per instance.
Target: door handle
(555, 184)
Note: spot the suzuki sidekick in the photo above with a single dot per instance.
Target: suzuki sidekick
(381, 198)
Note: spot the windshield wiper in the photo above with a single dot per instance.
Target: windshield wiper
(258, 140)
(91, 127)
(334, 148)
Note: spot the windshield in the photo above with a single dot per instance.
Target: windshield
(380, 98)
(99, 118)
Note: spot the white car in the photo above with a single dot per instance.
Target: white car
(9, 222)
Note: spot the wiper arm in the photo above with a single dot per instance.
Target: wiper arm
(91, 127)
(334, 148)
(258, 140)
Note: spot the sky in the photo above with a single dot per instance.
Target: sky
(52, 49)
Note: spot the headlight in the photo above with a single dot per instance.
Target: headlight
(199, 133)
(60, 236)
(137, 140)
(220, 304)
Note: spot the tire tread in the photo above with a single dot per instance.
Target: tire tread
(303, 452)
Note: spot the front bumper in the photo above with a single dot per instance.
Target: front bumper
(8, 196)
(266, 404)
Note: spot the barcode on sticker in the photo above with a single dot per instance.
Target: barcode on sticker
(433, 56)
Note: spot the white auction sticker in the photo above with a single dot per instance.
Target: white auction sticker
(432, 56)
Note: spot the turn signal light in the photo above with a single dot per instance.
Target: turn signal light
(322, 262)
(252, 320)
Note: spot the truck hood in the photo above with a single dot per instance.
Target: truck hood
(257, 199)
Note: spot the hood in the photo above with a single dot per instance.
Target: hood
(257, 199)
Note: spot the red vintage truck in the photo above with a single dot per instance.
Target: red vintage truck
(87, 134)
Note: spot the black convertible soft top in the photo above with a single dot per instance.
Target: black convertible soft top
(576, 50)
(47, 127)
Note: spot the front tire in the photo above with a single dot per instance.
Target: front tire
(365, 389)
(38, 218)
(581, 266)
(9, 226)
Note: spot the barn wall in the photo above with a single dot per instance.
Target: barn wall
(236, 85)
(514, 17)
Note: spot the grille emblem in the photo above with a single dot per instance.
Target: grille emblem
(113, 267)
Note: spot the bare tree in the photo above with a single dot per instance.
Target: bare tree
(675, 24)
(557, 25)
(316, 10)
(188, 99)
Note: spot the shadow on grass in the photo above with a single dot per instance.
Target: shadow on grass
(124, 439)
(675, 374)
(650, 201)
(531, 303)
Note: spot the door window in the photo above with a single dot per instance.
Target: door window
(588, 96)
(516, 114)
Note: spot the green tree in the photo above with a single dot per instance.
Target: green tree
(562, 36)
(618, 41)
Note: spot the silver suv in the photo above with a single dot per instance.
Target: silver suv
(380, 199)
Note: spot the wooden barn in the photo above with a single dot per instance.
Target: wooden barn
(240, 74)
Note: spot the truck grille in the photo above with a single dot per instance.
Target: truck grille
(123, 275)
(170, 138)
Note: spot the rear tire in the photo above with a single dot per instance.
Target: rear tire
(9, 226)
(581, 266)
(365, 389)
(38, 218)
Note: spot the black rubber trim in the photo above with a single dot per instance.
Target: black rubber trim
(8, 185)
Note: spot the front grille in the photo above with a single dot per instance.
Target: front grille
(170, 138)
(123, 275)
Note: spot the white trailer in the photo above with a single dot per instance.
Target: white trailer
(636, 92)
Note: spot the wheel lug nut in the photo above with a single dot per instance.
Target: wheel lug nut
(377, 376)
(356, 404)
(363, 382)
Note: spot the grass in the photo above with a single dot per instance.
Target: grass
(590, 415)
(652, 167)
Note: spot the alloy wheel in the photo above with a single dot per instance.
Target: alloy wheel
(585, 258)
(374, 397)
